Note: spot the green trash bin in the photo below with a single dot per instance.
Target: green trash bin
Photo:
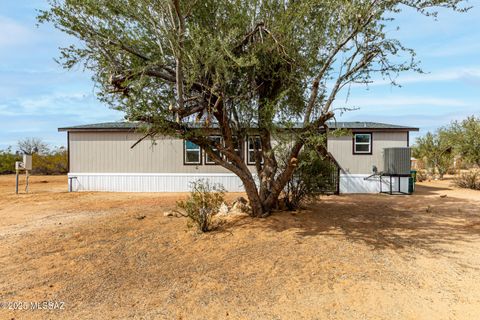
(414, 175)
(411, 181)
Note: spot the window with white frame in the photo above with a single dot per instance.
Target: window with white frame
(215, 140)
(362, 143)
(253, 143)
(192, 153)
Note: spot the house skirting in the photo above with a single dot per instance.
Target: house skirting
(148, 182)
(180, 182)
(356, 183)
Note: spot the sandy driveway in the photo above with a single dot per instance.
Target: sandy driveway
(113, 255)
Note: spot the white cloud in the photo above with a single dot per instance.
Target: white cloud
(403, 101)
(43, 105)
(6, 111)
(460, 73)
(52, 103)
(453, 49)
(82, 106)
(13, 33)
(468, 74)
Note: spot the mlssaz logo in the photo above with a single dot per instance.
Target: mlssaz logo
(47, 305)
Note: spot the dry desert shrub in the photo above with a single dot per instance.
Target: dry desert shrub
(203, 203)
(468, 180)
(422, 175)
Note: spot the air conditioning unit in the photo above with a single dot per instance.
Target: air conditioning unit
(396, 161)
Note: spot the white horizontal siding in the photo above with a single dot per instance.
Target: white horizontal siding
(356, 183)
(148, 182)
(178, 182)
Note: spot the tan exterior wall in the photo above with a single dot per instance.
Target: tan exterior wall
(110, 152)
(342, 150)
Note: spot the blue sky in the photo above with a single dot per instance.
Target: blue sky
(37, 96)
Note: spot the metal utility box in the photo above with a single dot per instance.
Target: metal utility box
(397, 161)
(18, 165)
(27, 162)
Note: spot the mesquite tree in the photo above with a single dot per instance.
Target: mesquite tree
(32, 145)
(464, 136)
(436, 150)
(272, 67)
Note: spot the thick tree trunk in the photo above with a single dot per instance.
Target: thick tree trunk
(261, 206)
(254, 199)
(271, 186)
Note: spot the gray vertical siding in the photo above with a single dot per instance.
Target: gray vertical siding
(110, 152)
(342, 150)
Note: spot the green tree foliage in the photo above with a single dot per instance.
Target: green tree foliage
(436, 151)
(312, 176)
(465, 137)
(235, 65)
(7, 161)
(313, 173)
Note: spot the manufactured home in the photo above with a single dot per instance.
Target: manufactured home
(371, 158)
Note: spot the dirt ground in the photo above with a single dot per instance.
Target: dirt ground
(115, 256)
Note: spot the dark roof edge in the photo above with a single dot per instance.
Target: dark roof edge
(73, 129)
(380, 129)
(351, 125)
(66, 129)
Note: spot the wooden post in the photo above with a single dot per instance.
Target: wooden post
(16, 182)
(26, 175)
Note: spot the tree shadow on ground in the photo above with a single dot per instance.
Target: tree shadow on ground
(419, 221)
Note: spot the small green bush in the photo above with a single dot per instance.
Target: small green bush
(312, 176)
(203, 203)
(468, 180)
